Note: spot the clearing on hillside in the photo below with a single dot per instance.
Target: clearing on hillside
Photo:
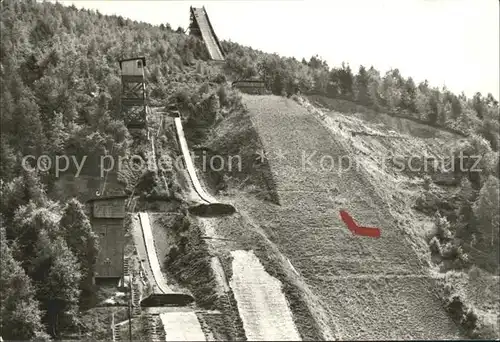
(355, 276)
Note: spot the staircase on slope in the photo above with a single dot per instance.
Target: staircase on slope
(126, 268)
(212, 46)
(136, 300)
(154, 328)
(114, 331)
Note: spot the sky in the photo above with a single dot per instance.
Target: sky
(452, 43)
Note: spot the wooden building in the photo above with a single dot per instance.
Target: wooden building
(251, 86)
(107, 219)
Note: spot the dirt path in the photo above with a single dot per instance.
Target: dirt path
(261, 302)
(374, 288)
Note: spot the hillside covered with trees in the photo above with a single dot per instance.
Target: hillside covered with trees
(390, 93)
(61, 95)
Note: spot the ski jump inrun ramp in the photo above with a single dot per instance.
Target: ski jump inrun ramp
(208, 205)
(208, 34)
(161, 294)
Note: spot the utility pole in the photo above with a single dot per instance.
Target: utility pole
(130, 308)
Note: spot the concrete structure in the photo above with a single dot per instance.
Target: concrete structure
(262, 305)
(207, 205)
(159, 293)
(182, 326)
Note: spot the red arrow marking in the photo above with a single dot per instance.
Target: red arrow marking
(358, 230)
(351, 225)
(368, 231)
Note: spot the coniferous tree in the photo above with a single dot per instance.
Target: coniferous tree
(361, 82)
(486, 210)
(20, 317)
(81, 240)
(58, 275)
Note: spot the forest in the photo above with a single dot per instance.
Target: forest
(61, 95)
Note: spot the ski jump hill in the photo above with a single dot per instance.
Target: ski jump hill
(371, 288)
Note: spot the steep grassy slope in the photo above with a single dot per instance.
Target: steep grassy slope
(407, 196)
(398, 122)
(366, 284)
(378, 142)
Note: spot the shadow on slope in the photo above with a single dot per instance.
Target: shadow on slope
(233, 157)
(212, 209)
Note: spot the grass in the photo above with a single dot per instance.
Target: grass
(96, 322)
(139, 329)
(345, 287)
(406, 125)
(235, 140)
(241, 233)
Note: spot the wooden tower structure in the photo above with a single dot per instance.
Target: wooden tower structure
(133, 97)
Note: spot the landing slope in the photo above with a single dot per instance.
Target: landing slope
(261, 303)
(373, 288)
(182, 326)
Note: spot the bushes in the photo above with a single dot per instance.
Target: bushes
(442, 227)
(462, 314)
(229, 98)
(476, 323)
(181, 224)
(219, 79)
(222, 93)
(435, 246)
(444, 245)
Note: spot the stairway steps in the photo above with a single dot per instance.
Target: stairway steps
(154, 328)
